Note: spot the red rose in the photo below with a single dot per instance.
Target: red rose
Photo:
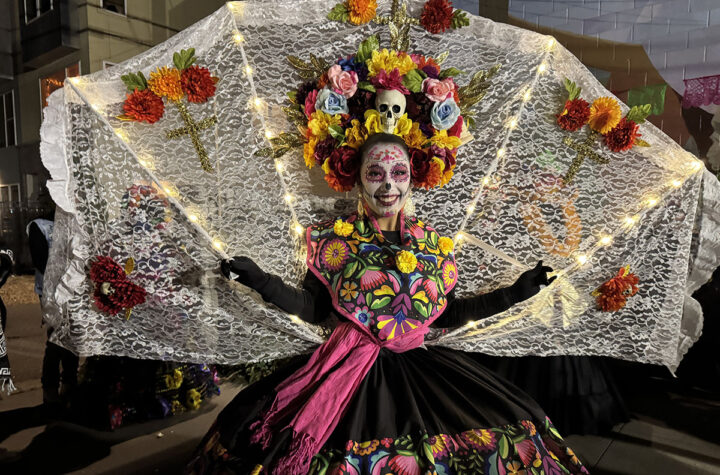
(456, 130)
(324, 149)
(443, 154)
(436, 16)
(105, 269)
(419, 165)
(574, 115)
(197, 83)
(144, 106)
(622, 137)
(344, 164)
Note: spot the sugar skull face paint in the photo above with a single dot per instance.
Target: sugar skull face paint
(385, 177)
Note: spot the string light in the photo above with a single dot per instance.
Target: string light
(298, 228)
(295, 319)
(471, 209)
(269, 134)
(75, 80)
(248, 70)
(459, 236)
(486, 180)
(238, 37)
(122, 135)
(288, 198)
(542, 68)
(170, 190)
(258, 103)
(676, 183)
(527, 95)
(631, 220)
(651, 201)
(512, 123)
(501, 152)
(696, 165)
(606, 240)
(551, 43)
(218, 245)
(279, 166)
(193, 218)
(581, 259)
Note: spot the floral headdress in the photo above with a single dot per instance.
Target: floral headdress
(380, 91)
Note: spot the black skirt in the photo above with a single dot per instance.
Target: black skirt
(430, 410)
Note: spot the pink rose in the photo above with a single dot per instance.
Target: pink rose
(310, 102)
(344, 82)
(436, 90)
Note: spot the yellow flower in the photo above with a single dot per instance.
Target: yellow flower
(326, 166)
(415, 137)
(403, 126)
(309, 151)
(447, 174)
(343, 228)
(349, 290)
(193, 399)
(372, 122)
(165, 82)
(605, 114)
(365, 448)
(389, 60)
(449, 274)
(320, 122)
(174, 380)
(406, 261)
(356, 135)
(442, 139)
(446, 245)
(361, 11)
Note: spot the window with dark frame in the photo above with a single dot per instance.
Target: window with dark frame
(7, 110)
(36, 8)
(51, 83)
(115, 6)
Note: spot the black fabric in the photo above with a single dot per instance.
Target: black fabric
(55, 357)
(38, 247)
(6, 266)
(434, 391)
(578, 393)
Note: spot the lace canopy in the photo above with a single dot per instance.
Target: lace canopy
(178, 194)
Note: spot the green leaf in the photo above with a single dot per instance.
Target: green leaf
(442, 57)
(177, 61)
(379, 303)
(292, 96)
(641, 143)
(184, 59)
(638, 114)
(134, 81)
(370, 44)
(503, 447)
(339, 13)
(450, 72)
(459, 19)
(369, 298)
(337, 132)
(406, 453)
(350, 269)
(434, 238)
(366, 86)
(413, 81)
(420, 308)
(428, 453)
(572, 89)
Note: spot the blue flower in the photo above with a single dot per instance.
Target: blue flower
(347, 64)
(330, 102)
(444, 114)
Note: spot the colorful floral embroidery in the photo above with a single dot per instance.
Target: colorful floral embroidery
(359, 268)
(509, 449)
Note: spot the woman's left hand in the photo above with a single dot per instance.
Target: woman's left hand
(529, 282)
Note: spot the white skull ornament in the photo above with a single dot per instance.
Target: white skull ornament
(390, 103)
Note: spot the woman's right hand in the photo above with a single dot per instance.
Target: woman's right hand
(245, 270)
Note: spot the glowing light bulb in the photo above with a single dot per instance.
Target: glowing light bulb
(513, 122)
(74, 80)
(258, 103)
(501, 152)
(471, 209)
(279, 167)
(676, 183)
(238, 37)
(551, 43)
(486, 180)
(696, 165)
(288, 197)
(527, 95)
(269, 134)
(121, 134)
(651, 201)
(218, 244)
(298, 228)
(193, 218)
(459, 236)
(295, 319)
(605, 240)
(248, 70)
(631, 220)
(542, 68)
(581, 259)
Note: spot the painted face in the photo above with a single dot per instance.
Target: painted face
(385, 176)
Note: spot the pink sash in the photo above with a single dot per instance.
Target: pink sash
(319, 392)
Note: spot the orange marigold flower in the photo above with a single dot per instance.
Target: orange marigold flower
(605, 114)
(165, 82)
(361, 11)
(613, 294)
(434, 176)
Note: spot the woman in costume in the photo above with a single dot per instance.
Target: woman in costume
(373, 399)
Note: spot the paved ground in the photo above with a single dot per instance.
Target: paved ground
(674, 429)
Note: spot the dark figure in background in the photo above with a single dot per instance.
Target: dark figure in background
(40, 235)
(6, 266)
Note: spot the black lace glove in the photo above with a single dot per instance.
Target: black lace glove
(529, 282)
(247, 272)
